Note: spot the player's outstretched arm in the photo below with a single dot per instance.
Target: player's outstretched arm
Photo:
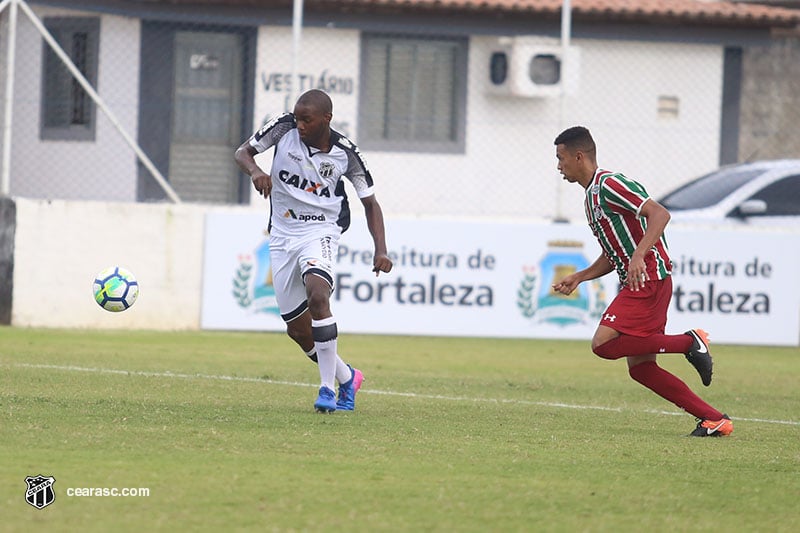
(372, 209)
(599, 268)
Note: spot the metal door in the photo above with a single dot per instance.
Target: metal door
(207, 98)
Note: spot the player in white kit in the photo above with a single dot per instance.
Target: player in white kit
(309, 212)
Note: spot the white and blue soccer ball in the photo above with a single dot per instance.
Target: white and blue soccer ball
(115, 289)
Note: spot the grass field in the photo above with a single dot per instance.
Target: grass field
(449, 435)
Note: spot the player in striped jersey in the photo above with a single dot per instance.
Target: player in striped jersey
(308, 213)
(629, 225)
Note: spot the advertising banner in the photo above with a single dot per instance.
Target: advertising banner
(740, 286)
(461, 278)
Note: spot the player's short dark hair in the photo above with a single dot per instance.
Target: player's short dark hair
(576, 138)
(317, 99)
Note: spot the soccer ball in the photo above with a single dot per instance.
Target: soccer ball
(115, 289)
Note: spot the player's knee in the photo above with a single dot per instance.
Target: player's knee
(319, 303)
(604, 350)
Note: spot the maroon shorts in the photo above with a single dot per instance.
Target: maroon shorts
(640, 313)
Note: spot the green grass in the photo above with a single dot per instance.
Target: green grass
(449, 435)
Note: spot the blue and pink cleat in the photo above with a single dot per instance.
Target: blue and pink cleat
(347, 391)
(326, 401)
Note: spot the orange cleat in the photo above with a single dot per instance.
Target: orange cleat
(713, 428)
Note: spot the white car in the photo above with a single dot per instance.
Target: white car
(762, 193)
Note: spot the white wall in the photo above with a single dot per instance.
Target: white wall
(510, 145)
(509, 168)
(620, 86)
(61, 245)
(104, 168)
(336, 73)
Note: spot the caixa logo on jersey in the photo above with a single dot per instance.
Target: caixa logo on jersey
(40, 491)
(304, 217)
(539, 302)
(318, 189)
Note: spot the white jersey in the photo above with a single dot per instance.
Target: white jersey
(308, 195)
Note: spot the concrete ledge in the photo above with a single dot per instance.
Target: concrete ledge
(61, 245)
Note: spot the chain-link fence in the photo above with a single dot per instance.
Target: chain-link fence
(454, 119)
(770, 100)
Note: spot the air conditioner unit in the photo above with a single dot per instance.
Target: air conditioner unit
(520, 66)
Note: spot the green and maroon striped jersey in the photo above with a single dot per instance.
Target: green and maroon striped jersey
(613, 205)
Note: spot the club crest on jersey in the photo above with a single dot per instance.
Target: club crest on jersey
(598, 212)
(326, 169)
(305, 184)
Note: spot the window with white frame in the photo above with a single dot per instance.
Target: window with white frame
(68, 112)
(413, 94)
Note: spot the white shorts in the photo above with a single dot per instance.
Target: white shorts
(291, 261)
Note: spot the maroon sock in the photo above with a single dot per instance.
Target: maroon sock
(626, 345)
(673, 389)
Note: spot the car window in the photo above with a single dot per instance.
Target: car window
(782, 197)
(708, 190)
